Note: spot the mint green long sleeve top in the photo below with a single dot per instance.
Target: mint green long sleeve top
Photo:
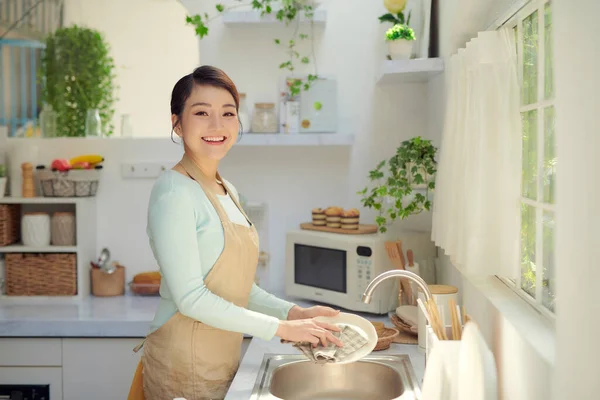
(186, 237)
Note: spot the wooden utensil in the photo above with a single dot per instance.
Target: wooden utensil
(405, 282)
(411, 258)
(456, 326)
(394, 256)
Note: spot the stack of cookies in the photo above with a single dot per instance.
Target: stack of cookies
(319, 217)
(349, 219)
(334, 217)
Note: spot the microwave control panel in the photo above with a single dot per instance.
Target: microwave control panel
(363, 268)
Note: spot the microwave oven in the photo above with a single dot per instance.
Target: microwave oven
(335, 269)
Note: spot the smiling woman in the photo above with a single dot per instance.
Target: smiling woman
(207, 250)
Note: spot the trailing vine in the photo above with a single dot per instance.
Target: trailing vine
(286, 11)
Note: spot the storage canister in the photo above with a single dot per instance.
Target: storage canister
(35, 229)
(63, 229)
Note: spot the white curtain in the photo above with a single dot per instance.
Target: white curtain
(476, 204)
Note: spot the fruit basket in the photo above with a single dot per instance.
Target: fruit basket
(72, 183)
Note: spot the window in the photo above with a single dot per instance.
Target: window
(532, 26)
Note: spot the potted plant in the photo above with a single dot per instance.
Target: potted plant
(2, 180)
(400, 37)
(400, 40)
(404, 187)
(77, 74)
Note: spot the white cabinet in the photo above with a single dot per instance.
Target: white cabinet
(34, 376)
(75, 369)
(98, 369)
(30, 352)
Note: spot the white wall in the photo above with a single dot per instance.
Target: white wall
(577, 56)
(152, 48)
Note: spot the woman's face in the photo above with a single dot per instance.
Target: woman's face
(209, 124)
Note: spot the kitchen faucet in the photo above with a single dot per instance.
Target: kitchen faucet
(395, 273)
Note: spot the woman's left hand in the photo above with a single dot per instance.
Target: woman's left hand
(298, 312)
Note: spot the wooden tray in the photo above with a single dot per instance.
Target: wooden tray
(362, 229)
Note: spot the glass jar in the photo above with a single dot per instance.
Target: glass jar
(243, 115)
(126, 126)
(93, 123)
(264, 120)
(48, 121)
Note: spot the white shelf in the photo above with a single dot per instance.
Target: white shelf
(19, 248)
(43, 200)
(406, 71)
(253, 17)
(296, 139)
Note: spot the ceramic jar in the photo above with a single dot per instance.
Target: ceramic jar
(35, 229)
(63, 229)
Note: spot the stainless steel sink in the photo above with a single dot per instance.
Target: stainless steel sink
(293, 377)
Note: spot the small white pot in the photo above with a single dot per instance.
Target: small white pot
(400, 49)
(2, 186)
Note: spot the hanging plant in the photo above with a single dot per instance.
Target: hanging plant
(77, 75)
(398, 191)
(287, 12)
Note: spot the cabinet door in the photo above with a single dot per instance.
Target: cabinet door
(98, 369)
(34, 376)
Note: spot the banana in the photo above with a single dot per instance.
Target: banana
(89, 158)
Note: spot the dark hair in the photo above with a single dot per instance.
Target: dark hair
(204, 75)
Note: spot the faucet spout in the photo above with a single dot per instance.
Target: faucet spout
(395, 273)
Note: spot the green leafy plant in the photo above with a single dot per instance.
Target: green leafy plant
(2, 171)
(400, 32)
(409, 171)
(396, 18)
(77, 74)
(286, 11)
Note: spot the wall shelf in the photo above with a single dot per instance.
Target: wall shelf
(253, 17)
(19, 248)
(408, 71)
(44, 200)
(296, 139)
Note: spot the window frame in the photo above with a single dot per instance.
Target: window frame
(541, 103)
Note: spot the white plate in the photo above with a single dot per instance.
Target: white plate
(360, 324)
(436, 384)
(477, 378)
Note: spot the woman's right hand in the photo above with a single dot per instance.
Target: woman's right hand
(308, 330)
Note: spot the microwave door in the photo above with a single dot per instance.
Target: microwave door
(319, 267)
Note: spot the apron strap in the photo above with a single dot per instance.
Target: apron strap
(194, 172)
(235, 201)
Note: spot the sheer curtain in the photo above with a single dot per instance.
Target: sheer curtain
(476, 207)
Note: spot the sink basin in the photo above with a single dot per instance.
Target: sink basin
(293, 377)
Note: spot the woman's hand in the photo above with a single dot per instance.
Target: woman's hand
(298, 312)
(308, 330)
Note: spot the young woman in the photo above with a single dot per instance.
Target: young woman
(207, 252)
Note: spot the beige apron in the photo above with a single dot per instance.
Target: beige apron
(187, 358)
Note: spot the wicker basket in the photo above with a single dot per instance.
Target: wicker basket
(385, 338)
(10, 223)
(45, 274)
(105, 285)
(73, 183)
(403, 326)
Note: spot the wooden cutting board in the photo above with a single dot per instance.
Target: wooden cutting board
(362, 229)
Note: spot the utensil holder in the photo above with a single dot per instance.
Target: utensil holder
(107, 285)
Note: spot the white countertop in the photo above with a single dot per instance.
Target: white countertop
(243, 383)
(122, 316)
